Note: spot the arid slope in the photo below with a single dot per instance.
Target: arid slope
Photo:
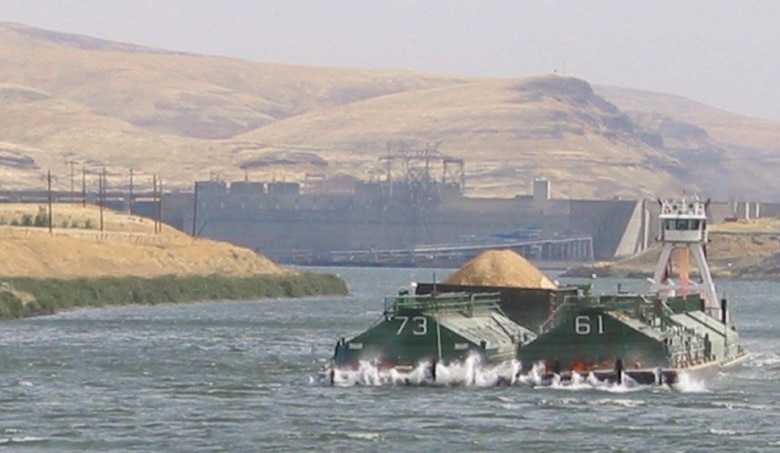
(128, 246)
(185, 117)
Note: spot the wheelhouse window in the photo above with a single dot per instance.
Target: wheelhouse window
(682, 224)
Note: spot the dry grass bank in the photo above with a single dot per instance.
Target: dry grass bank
(128, 246)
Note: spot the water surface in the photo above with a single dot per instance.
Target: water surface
(240, 376)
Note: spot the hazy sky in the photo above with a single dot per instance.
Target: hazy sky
(723, 53)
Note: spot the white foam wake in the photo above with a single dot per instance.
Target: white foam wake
(472, 373)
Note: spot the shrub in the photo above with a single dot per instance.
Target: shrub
(41, 218)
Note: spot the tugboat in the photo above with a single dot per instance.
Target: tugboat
(680, 326)
(427, 330)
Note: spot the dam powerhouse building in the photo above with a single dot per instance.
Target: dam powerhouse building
(419, 221)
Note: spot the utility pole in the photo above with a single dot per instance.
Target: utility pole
(130, 202)
(155, 203)
(83, 185)
(159, 204)
(72, 175)
(195, 210)
(48, 179)
(102, 189)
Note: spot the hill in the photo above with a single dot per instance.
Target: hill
(70, 98)
(128, 246)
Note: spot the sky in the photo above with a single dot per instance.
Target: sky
(724, 53)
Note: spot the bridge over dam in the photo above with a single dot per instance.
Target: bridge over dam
(578, 249)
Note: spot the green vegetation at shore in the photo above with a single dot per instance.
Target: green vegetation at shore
(23, 297)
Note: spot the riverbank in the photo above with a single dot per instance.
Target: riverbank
(129, 261)
(747, 250)
(23, 297)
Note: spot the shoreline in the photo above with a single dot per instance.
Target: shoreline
(23, 297)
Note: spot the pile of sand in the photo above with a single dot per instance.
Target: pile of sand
(500, 268)
(128, 246)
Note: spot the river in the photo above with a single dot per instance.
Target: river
(241, 377)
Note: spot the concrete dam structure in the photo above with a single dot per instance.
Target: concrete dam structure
(408, 222)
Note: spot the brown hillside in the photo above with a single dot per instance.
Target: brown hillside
(724, 127)
(127, 247)
(70, 98)
(718, 147)
(521, 128)
(500, 268)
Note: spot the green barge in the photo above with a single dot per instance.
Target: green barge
(650, 340)
(679, 326)
(431, 329)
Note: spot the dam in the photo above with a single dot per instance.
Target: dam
(420, 221)
(409, 223)
(414, 220)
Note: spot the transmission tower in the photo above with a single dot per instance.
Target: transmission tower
(418, 191)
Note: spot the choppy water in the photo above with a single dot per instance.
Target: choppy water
(240, 376)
